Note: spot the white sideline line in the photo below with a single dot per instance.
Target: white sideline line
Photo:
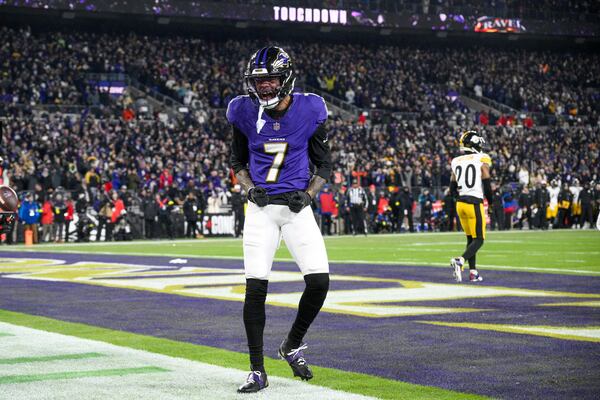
(221, 240)
(133, 242)
(181, 378)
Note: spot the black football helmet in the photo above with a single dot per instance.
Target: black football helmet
(471, 142)
(270, 62)
(8, 207)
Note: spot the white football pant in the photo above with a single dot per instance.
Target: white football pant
(263, 229)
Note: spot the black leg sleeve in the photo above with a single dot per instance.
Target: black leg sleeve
(254, 320)
(471, 250)
(311, 302)
(472, 264)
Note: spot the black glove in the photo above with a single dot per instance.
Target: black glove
(298, 200)
(258, 195)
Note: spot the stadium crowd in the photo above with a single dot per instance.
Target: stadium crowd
(154, 170)
(106, 171)
(50, 68)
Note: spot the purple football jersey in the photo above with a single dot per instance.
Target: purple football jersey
(278, 149)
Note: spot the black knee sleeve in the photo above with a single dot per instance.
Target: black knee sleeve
(311, 302)
(254, 319)
(317, 283)
(256, 291)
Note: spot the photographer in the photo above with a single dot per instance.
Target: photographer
(165, 205)
(191, 211)
(150, 211)
(104, 215)
(60, 212)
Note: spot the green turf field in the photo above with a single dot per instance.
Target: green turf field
(349, 382)
(165, 362)
(565, 251)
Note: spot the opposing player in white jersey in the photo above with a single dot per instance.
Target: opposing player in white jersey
(275, 134)
(470, 182)
(575, 189)
(552, 210)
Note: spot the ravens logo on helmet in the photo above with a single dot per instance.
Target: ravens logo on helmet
(269, 63)
(9, 202)
(471, 141)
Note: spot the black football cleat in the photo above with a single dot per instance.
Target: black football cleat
(295, 357)
(256, 381)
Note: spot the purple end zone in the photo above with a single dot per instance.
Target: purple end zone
(515, 279)
(496, 364)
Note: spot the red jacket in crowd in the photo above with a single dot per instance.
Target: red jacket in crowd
(382, 205)
(70, 211)
(327, 201)
(47, 213)
(128, 114)
(117, 208)
(484, 119)
(165, 179)
(107, 186)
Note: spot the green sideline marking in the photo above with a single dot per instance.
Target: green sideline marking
(78, 374)
(327, 377)
(23, 360)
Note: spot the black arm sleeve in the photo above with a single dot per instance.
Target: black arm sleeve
(454, 189)
(239, 151)
(319, 152)
(487, 190)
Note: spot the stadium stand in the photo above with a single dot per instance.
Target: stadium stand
(413, 100)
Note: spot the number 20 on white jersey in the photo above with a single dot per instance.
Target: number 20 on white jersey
(467, 171)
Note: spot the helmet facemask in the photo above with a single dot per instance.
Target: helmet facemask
(275, 66)
(471, 142)
(267, 95)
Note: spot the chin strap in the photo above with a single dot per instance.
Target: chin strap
(270, 104)
(265, 105)
(469, 150)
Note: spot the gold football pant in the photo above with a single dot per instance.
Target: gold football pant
(471, 218)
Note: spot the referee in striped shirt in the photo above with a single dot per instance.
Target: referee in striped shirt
(357, 199)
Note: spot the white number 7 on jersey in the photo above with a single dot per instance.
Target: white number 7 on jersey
(279, 149)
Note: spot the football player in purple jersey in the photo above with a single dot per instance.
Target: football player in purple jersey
(277, 134)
